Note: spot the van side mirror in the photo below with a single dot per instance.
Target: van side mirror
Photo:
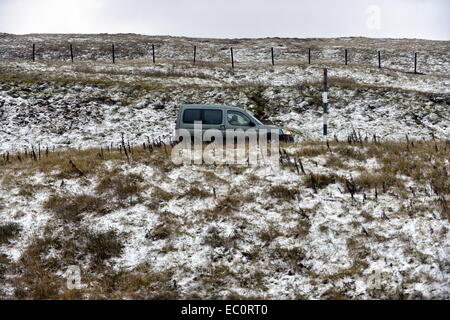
(252, 124)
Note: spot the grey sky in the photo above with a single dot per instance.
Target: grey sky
(427, 19)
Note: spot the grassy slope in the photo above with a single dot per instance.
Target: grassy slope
(149, 229)
(102, 212)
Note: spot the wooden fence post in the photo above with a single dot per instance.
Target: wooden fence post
(153, 53)
(195, 53)
(113, 54)
(379, 59)
(415, 62)
(309, 56)
(346, 57)
(71, 52)
(232, 59)
(273, 58)
(34, 52)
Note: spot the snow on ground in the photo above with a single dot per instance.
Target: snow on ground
(77, 115)
(252, 239)
(310, 245)
(89, 103)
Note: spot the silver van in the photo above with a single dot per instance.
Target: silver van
(222, 118)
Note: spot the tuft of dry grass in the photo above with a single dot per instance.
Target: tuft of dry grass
(142, 283)
(282, 192)
(160, 232)
(335, 294)
(70, 207)
(350, 152)
(292, 257)
(439, 180)
(321, 181)
(9, 231)
(215, 239)
(103, 246)
(38, 267)
(369, 181)
(344, 81)
(311, 152)
(218, 276)
(301, 229)
(158, 197)
(28, 190)
(227, 205)
(269, 234)
(168, 226)
(43, 287)
(120, 186)
(335, 162)
(194, 193)
(37, 279)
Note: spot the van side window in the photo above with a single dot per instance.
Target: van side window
(212, 116)
(192, 115)
(205, 116)
(238, 119)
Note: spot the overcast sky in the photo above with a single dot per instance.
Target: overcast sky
(427, 19)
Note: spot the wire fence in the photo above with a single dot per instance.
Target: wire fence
(227, 55)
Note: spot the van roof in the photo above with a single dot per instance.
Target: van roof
(209, 106)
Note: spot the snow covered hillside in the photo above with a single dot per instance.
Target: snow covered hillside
(364, 215)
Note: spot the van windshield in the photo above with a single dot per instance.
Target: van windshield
(253, 116)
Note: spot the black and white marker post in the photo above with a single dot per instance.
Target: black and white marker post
(325, 102)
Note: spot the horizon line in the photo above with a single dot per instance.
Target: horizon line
(218, 38)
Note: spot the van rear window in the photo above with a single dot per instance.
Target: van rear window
(192, 115)
(205, 116)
